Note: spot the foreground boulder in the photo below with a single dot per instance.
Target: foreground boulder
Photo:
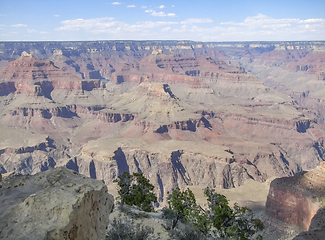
(300, 200)
(55, 204)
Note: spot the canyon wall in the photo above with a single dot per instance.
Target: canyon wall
(183, 113)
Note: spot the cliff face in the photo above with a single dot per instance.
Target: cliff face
(184, 113)
(39, 77)
(316, 229)
(55, 204)
(298, 199)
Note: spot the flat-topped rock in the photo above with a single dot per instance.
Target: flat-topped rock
(55, 204)
(298, 199)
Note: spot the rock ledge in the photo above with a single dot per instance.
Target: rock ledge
(55, 204)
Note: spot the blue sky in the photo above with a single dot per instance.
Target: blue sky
(205, 20)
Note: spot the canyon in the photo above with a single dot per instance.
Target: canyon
(183, 113)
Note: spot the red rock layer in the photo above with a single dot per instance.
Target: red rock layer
(39, 77)
(297, 199)
(178, 69)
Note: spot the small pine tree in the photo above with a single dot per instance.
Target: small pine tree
(136, 190)
(183, 204)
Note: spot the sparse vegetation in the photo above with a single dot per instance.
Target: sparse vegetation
(226, 222)
(189, 232)
(136, 190)
(182, 206)
(124, 229)
(218, 221)
(131, 212)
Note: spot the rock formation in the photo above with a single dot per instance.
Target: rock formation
(55, 204)
(183, 113)
(316, 229)
(299, 199)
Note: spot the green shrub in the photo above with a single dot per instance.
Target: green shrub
(218, 221)
(132, 213)
(125, 230)
(189, 232)
(136, 190)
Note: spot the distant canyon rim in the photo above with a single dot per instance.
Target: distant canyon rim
(184, 113)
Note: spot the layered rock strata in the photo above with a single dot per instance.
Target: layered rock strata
(55, 204)
(102, 108)
(299, 199)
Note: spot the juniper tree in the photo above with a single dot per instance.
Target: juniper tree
(136, 190)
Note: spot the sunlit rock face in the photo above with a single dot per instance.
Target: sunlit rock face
(55, 204)
(183, 113)
(299, 199)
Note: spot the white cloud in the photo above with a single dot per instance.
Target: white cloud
(253, 28)
(87, 24)
(144, 7)
(197, 20)
(31, 31)
(19, 25)
(150, 24)
(165, 29)
(160, 14)
(130, 6)
(315, 20)
(56, 15)
(156, 14)
(268, 28)
(106, 25)
(161, 6)
(116, 3)
(263, 21)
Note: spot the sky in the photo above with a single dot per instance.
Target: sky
(204, 20)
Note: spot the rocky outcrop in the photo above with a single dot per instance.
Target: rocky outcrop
(114, 117)
(55, 204)
(27, 67)
(39, 78)
(298, 199)
(316, 229)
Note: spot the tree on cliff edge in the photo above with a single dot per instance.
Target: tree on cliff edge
(218, 221)
(136, 190)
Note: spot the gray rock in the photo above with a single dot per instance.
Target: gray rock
(55, 204)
